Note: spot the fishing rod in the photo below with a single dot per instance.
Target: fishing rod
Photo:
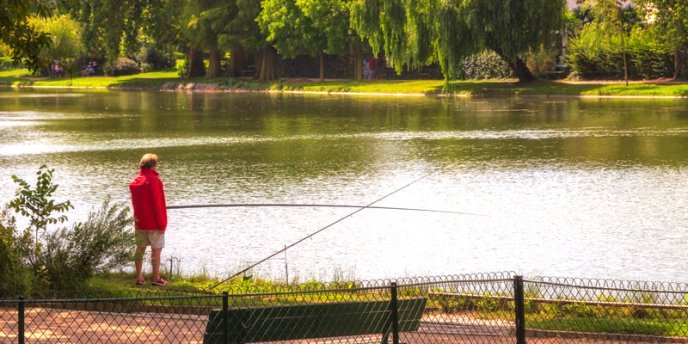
(318, 231)
(314, 205)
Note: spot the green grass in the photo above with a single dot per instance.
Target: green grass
(656, 327)
(573, 317)
(121, 285)
(170, 80)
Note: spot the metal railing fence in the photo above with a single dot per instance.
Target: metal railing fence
(476, 308)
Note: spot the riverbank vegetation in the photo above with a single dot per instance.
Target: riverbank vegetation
(272, 40)
(170, 81)
(39, 258)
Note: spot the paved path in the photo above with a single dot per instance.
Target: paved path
(47, 325)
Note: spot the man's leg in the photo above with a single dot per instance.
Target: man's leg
(155, 259)
(140, 250)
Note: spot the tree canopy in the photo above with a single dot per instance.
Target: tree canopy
(671, 17)
(315, 27)
(444, 31)
(16, 32)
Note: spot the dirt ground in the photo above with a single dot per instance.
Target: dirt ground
(47, 325)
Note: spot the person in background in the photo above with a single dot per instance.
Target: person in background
(150, 217)
(372, 64)
(366, 69)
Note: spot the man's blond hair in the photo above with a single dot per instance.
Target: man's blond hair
(148, 161)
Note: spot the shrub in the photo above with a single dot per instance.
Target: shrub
(64, 259)
(122, 66)
(183, 69)
(152, 58)
(15, 276)
(65, 39)
(100, 244)
(485, 65)
(542, 60)
(598, 54)
(7, 63)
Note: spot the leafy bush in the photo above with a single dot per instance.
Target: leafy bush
(100, 244)
(7, 63)
(17, 278)
(598, 54)
(485, 65)
(151, 58)
(183, 69)
(542, 60)
(65, 38)
(66, 258)
(122, 66)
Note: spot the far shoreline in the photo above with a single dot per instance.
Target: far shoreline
(168, 81)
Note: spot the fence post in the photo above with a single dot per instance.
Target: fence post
(519, 308)
(395, 314)
(20, 321)
(225, 315)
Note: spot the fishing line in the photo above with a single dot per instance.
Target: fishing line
(314, 205)
(319, 230)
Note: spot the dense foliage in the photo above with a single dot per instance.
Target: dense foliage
(485, 65)
(671, 20)
(65, 40)
(24, 42)
(444, 32)
(597, 54)
(248, 37)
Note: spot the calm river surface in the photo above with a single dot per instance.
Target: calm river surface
(564, 187)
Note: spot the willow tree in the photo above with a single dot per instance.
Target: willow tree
(418, 32)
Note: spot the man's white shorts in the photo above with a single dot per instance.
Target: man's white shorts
(153, 238)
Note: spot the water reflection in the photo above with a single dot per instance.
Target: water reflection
(570, 187)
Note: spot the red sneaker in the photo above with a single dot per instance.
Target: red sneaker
(140, 282)
(160, 283)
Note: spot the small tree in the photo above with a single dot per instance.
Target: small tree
(15, 276)
(38, 205)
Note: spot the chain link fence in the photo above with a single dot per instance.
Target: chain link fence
(476, 308)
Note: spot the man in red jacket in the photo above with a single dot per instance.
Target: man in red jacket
(150, 217)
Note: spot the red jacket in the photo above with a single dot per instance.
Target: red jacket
(148, 199)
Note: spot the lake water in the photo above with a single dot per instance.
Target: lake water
(565, 187)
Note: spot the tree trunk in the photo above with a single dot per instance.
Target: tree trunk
(357, 53)
(518, 66)
(213, 62)
(522, 71)
(196, 66)
(678, 63)
(237, 61)
(267, 64)
(322, 67)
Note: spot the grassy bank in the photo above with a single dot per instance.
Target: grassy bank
(626, 316)
(168, 80)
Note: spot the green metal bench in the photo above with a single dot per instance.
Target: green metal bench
(319, 320)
